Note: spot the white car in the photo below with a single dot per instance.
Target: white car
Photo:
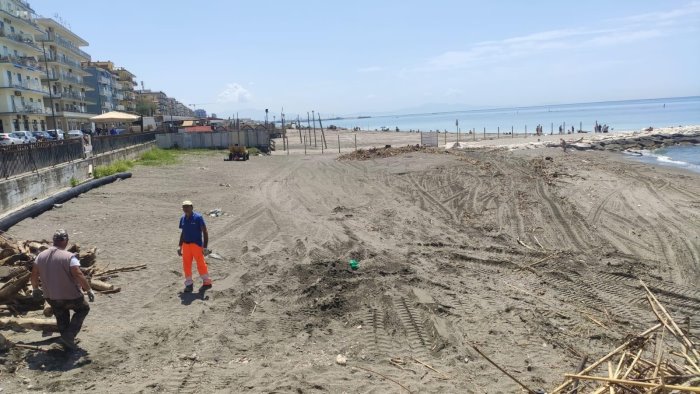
(10, 139)
(72, 134)
(26, 136)
(56, 133)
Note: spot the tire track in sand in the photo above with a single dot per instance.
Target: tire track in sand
(559, 218)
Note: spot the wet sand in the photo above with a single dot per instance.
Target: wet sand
(531, 254)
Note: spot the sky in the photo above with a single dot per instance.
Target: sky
(388, 56)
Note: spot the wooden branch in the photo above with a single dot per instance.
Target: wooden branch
(10, 289)
(530, 391)
(384, 376)
(606, 357)
(633, 383)
(29, 323)
(431, 368)
(676, 331)
(116, 270)
(99, 285)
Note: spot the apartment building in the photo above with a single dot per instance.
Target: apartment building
(65, 77)
(106, 90)
(127, 82)
(22, 96)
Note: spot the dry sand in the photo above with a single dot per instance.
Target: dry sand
(442, 240)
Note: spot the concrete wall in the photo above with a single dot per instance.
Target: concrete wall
(249, 138)
(23, 189)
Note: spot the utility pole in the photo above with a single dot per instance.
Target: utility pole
(46, 65)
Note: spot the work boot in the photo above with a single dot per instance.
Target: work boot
(68, 343)
(189, 288)
(206, 286)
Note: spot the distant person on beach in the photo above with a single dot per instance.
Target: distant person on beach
(563, 144)
(61, 283)
(194, 239)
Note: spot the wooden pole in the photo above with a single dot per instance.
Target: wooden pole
(308, 126)
(323, 134)
(499, 133)
(313, 116)
(511, 132)
(304, 144)
(355, 142)
(338, 143)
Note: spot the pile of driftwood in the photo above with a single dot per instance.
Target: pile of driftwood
(660, 359)
(16, 263)
(378, 153)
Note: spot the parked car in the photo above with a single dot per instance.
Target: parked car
(26, 136)
(71, 134)
(42, 136)
(56, 133)
(10, 139)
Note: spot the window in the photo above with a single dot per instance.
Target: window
(35, 125)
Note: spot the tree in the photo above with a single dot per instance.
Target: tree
(145, 107)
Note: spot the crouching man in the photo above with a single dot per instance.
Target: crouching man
(61, 284)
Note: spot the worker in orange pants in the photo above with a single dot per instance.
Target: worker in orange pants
(193, 245)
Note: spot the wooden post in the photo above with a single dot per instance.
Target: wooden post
(319, 120)
(355, 142)
(484, 132)
(474, 133)
(580, 127)
(511, 132)
(445, 137)
(338, 143)
(498, 135)
(308, 126)
(525, 131)
(304, 145)
(564, 127)
(323, 134)
(551, 131)
(287, 146)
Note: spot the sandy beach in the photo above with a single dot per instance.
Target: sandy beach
(533, 255)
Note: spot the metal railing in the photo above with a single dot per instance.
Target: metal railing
(19, 159)
(24, 158)
(53, 37)
(113, 142)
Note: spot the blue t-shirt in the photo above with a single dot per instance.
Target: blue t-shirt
(192, 228)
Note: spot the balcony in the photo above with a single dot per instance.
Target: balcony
(61, 59)
(21, 38)
(20, 14)
(119, 96)
(25, 85)
(29, 109)
(26, 61)
(73, 95)
(53, 37)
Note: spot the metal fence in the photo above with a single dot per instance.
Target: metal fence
(19, 159)
(109, 143)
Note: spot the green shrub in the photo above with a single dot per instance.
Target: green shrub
(253, 151)
(157, 157)
(116, 167)
(74, 182)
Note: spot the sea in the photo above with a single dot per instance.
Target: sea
(627, 115)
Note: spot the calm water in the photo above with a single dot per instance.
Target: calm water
(619, 115)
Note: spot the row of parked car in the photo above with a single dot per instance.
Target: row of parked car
(30, 137)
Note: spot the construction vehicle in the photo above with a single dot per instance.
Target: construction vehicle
(237, 153)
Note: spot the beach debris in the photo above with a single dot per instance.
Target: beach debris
(215, 256)
(215, 213)
(16, 262)
(341, 360)
(378, 153)
(661, 358)
(225, 184)
(58, 205)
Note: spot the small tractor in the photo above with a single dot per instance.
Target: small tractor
(237, 153)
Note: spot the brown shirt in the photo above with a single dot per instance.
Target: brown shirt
(56, 279)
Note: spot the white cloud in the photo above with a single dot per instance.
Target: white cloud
(623, 31)
(234, 93)
(370, 69)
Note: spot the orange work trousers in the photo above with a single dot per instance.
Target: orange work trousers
(193, 251)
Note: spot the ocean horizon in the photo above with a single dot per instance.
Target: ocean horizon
(623, 115)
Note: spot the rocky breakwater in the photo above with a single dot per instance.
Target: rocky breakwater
(635, 143)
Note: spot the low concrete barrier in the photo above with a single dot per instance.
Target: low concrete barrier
(25, 188)
(216, 140)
